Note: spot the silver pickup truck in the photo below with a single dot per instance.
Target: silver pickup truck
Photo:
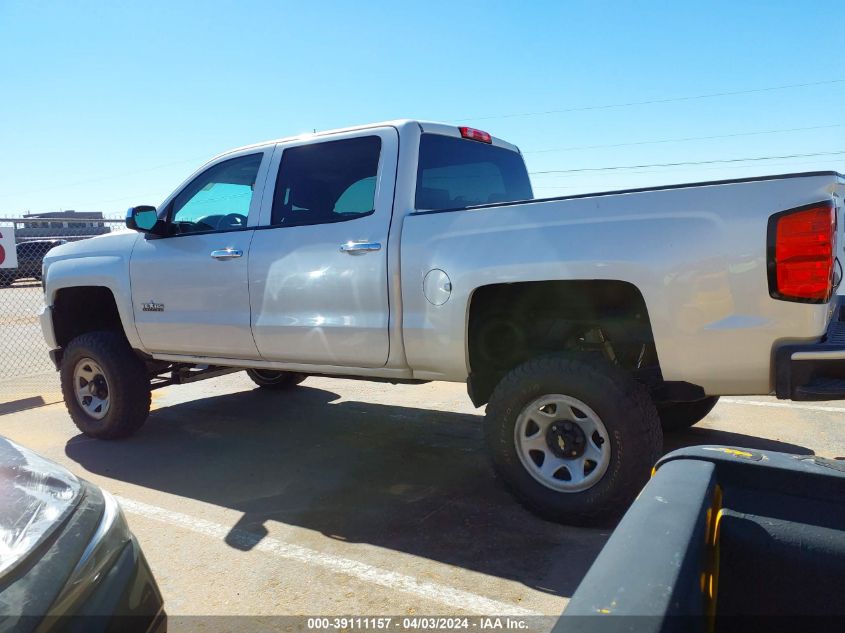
(409, 251)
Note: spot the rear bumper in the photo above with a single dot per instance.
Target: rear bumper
(814, 371)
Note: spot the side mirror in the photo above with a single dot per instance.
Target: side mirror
(144, 219)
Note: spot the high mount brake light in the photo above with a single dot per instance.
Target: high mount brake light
(801, 253)
(475, 135)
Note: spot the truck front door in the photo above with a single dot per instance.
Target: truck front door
(318, 265)
(190, 291)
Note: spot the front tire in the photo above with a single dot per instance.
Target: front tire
(105, 385)
(677, 416)
(574, 438)
(271, 379)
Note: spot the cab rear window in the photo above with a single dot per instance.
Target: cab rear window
(455, 173)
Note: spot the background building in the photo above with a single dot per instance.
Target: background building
(60, 224)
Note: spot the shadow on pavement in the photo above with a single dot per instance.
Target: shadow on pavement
(21, 404)
(405, 479)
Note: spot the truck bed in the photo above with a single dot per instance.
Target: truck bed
(743, 535)
(696, 252)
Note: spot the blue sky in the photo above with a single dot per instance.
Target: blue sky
(106, 105)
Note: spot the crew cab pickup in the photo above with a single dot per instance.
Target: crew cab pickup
(413, 251)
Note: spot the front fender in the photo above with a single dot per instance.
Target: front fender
(109, 271)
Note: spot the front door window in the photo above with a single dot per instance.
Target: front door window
(218, 199)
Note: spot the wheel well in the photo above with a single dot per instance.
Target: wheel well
(511, 323)
(84, 309)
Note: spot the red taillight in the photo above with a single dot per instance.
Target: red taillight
(475, 135)
(801, 253)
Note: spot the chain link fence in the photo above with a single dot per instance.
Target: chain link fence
(27, 375)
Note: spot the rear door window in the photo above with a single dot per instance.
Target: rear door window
(456, 172)
(327, 182)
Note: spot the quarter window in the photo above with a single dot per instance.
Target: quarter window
(327, 182)
(219, 198)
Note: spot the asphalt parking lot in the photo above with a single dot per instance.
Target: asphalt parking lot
(346, 497)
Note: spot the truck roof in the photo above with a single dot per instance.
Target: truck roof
(431, 127)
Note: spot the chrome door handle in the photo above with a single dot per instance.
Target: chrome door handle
(359, 248)
(227, 253)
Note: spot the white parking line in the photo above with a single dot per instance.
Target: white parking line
(783, 405)
(446, 595)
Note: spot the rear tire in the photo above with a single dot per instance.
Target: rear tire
(677, 416)
(557, 394)
(105, 385)
(271, 379)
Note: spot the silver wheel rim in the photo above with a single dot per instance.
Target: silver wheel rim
(91, 388)
(562, 443)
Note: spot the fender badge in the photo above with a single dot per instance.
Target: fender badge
(152, 306)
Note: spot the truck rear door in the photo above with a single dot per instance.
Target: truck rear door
(318, 264)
